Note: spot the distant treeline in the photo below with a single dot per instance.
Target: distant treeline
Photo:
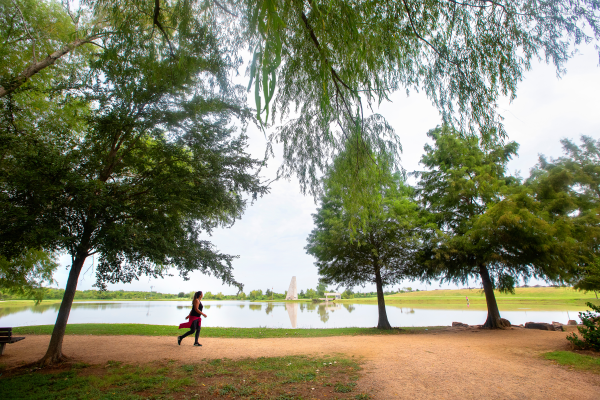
(57, 294)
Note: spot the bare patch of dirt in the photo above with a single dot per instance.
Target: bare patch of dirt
(451, 363)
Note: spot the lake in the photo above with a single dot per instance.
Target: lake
(245, 314)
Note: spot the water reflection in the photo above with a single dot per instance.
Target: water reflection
(292, 310)
(349, 307)
(276, 315)
(323, 314)
(269, 308)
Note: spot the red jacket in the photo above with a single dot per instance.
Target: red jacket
(188, 325)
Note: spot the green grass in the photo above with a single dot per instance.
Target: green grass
(542, 298)
(577, 361)
(294, 377)
(169, 330)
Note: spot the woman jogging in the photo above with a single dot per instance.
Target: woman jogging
(194, 321)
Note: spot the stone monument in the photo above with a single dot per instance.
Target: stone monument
(292, 293)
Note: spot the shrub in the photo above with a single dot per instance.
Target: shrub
(590, 331)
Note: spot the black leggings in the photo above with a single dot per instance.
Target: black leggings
(195, 328)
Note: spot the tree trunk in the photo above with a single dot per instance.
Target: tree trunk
(383, 319)
(54, 352)
(493, 318)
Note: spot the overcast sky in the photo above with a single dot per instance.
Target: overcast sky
(271, 236)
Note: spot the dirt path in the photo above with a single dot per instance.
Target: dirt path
(461, 364)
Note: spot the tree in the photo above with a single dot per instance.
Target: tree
(569, 188)
(328, 57)
(24, 275)
(590, 280)
(491, 226)
(463, 55)
(374, 242)
(181, 295)
(147, 159)
(321, 288)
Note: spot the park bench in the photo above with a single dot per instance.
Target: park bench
(6, 337)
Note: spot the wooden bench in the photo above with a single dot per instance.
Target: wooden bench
(6, 337)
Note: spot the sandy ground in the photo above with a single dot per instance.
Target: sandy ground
(453, 364)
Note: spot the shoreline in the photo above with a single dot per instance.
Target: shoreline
(246, 333)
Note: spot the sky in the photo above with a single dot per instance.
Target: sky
(271, 236)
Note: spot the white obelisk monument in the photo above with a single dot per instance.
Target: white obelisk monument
(292, 293)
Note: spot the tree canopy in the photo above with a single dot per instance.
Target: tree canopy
(492, 226)
(375, 240)
(569, 189)
(25, 275)
(134, 160)
(320, 65)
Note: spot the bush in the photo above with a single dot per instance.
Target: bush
(590, 331)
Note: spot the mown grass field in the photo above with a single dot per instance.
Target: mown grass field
(170, 330)
(276, 378)
(541, 298)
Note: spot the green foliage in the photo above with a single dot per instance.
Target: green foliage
(24, 275)
(487, 217)
(569, 189)
(351, 243)
(321, 288)
(491, 226)
(328, 57)
(590, 331)
(150, 161)
(369, 232)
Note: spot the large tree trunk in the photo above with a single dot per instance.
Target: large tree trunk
(383, 319)
(54, 352)
(493, 318)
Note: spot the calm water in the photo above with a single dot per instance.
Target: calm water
(244, 314)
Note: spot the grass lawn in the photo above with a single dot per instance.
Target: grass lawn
(574, 360)
(277, 378)
(550, 298)
(170, 330)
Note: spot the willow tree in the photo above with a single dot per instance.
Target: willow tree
(137, 156)
(367, 227)
(493, 228)
(319, 64)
